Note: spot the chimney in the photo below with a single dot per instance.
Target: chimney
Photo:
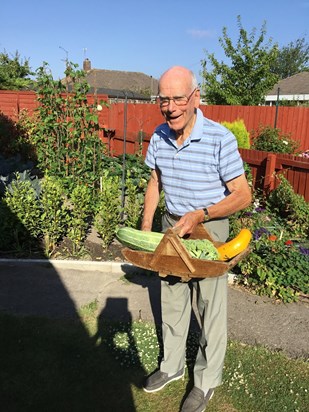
(87, 65)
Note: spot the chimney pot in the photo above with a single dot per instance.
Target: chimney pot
(87, 65)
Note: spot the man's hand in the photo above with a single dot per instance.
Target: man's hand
(146, 227)
(189, 221)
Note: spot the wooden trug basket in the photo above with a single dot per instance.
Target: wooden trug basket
(172, 258)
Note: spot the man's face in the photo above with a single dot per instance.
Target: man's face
(180, 118)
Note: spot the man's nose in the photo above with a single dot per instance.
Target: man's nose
(171, 105)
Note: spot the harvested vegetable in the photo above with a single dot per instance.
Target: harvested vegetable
(148, 241)
(197, 248)
(201, 249)
(232, 248)
(139, 239)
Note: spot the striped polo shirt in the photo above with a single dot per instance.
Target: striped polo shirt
(193, 175)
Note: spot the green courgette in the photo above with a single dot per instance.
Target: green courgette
(139, 239)
(148, 242)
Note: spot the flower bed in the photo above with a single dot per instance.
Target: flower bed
(278, 263)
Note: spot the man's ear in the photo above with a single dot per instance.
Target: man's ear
(197, 98)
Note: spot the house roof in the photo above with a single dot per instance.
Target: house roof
(119, 94)
(135, 82)
(294, 85)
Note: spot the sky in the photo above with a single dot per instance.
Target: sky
(139, 35)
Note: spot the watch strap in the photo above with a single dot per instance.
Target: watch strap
(206, 215)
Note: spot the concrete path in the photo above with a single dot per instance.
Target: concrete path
(59, 288)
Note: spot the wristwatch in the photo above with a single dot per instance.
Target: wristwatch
(206, 215)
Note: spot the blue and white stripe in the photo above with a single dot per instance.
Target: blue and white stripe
(193, 176)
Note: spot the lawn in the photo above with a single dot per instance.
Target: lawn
(91, 365)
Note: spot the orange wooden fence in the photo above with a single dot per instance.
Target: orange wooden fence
(293, 121)
(126, 124)
(144, 117)
(265, 166)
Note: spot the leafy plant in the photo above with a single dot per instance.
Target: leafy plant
(8, 227)
(238, 128)
(14, 72)
(134, 202)
(292, 207)
(66, 132)
(54, 218)
(201, 249)
(276, 269)
(292, 59)
(22, 200)
(107, 217)
(271, 139)
(248, 77)
(276, 266)
(9, 167)
(157, 219)
(78, 222)
(257, 217)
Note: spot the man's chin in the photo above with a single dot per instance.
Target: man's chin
(175, 125)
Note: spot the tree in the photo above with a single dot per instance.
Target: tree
(14, 72)
(292, 59)
(248, 78)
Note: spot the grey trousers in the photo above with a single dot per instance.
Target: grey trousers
(176, 307)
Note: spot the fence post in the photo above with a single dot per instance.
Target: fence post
(269, 179)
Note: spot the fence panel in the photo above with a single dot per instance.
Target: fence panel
(146, 116)
(134, 120)
(265, 166)
(12, 102)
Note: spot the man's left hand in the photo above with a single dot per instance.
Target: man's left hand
(189, 221)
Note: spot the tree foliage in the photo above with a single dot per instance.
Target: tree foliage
(248, 78)
(14, 72)
(292, 59)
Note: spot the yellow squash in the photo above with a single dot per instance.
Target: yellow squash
(235, 246)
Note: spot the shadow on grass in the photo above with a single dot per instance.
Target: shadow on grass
(54, 365)
(49, 360)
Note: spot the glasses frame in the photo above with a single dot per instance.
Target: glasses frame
(167, 100)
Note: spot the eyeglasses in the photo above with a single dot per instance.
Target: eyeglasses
(178, 100)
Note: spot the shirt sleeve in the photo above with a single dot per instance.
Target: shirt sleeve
(230, 161)
(150, 159)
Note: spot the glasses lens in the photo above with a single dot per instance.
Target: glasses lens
(179, 101)
(164, 101)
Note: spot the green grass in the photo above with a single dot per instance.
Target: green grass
(91, 365)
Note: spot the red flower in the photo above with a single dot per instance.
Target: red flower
(288, 243)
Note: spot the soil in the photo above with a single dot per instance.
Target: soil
(252, 319)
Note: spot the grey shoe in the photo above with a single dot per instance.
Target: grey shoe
(196, 400)
(158, 380)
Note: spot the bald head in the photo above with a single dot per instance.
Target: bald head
(181, 75)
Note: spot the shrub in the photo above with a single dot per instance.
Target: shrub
(271, 139)
(275, 269)
(290, 206)
(54, 217)
(238, 128)
(133, 208)
(276, 265)
(107, 217)
(78, 224)
(22, 200)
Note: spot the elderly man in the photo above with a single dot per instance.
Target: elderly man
(195, 161)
